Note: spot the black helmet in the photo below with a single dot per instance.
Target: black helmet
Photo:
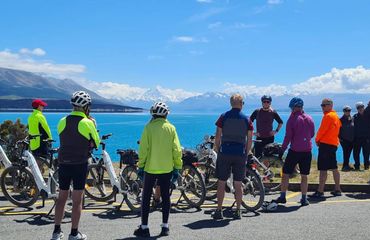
(266, 97)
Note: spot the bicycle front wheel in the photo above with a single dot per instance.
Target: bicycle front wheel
(253, 191)
(98, 186)
(192, 186)
(132, 186)
(19, 186)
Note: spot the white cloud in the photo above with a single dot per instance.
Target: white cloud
(204, 1)
(24, 61)
(189, 39)
(274, 2)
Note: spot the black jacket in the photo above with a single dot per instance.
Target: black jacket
(362, 129)
(347, 130)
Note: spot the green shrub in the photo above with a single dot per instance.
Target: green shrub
(11, 132)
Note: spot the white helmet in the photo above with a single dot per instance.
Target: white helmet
(360, 104)
(159, 109)
(269, 206)
(80, 99)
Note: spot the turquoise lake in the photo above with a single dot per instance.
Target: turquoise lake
(127, 128)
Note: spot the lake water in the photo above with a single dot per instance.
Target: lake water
(127, 128)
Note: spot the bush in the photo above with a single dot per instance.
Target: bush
(11, 133)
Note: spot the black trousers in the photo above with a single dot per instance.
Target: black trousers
(361, 143)
(164, 181)
(347, 147)
(258, 146)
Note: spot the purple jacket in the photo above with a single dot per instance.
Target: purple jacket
(300, 129)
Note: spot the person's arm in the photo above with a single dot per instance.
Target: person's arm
(288, 135)
(324, 127)
(249, 141)
(254, 115)
(45, 126)
(280, 122)
(95, 135)
(143, 149)
(176, 152)
(218, 139)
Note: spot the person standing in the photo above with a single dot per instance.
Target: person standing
(346, 137)
(361, 141)
(77, 135)
(232, 143)
(159, 161)
(265, 117)
(327, 139)
(300, 129)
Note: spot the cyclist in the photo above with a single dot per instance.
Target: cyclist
(300, 129)
(265, 117)
(346, 137)
(159, 161)
(77, 136)
(361, 137)
(232, 143)
(327, 139)
(37, 125)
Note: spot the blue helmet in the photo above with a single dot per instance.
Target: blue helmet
(296, 102)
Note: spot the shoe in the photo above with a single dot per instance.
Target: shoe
(165, 231)
(317, 194)
(347, 169)
(280, 200)
(237, 214)
(366, 167)
(57, 236)
(79, 236)
(304, 202)
(142, 232)
(336, 193)
(357, 169)
(218, 215)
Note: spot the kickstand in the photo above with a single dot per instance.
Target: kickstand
(178, 201)
(52, 208)
(120, 205)
(231, 207)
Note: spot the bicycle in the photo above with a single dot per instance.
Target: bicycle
(4, 160)
(102, 183)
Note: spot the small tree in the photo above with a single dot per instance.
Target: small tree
(12, 132)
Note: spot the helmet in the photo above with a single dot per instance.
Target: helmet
(38, 102)
(360, 104)
(266, 97)
(80, 99)
(159, 109)
(346, 107)
(295, 102)
(269, 206)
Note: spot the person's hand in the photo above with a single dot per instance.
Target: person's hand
(273, 133)
(140, 173)
(256, 134)
(175, 175)
(318, 144)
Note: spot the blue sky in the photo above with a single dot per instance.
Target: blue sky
(194, 45)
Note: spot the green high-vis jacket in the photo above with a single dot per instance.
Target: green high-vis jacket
(160, 149)
(37, 125)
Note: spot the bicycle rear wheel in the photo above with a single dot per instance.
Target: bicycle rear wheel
(19, 186)
(253, 191)
(132, 185)
(192, 186)
(98, 186)
(210, 180)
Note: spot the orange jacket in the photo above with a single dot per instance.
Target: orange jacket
(329, 129)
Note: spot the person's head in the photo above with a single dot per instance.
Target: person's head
(38, 104)
(81, 101)
(347, 110)
(236, 101)
(360, 106)
(159, 110)
(266, 101)
(296, 104)
(327, 105)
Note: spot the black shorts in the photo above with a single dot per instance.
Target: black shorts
(76, 173)
(327, 159)
(303, 159)
(227, 164)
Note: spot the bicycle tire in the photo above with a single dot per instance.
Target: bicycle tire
(95, 179)
(253, 186)
(132, 185)
(25, 179)
(210, 180)
(189, 186)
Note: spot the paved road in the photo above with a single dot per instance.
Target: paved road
(346, 217)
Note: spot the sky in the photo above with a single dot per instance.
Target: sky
(194, 46)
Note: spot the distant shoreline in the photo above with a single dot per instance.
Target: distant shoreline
(19, 110)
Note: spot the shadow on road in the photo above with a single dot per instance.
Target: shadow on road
(39, 220)
(359, 196)
(113, 214)
(208, 223)
(284, 209)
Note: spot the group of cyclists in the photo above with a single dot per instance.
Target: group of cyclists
(160, 151)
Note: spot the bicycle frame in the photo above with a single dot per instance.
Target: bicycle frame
(4, 160)
(110, 170)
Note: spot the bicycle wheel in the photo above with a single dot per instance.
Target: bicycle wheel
(192, 186)
(98, 186)
(210, 180)
(19, 186)
(132, 185)
(275, 167)
(253, 191)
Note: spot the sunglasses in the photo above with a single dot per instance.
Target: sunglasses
(360, 108)
(266, 101)
(323, 105)
(346, 110)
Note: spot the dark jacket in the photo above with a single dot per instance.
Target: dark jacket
(347, 131)
(361, 126)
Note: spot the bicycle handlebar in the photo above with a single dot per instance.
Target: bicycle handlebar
(106, 136)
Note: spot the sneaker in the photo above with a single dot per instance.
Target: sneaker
(218, 215)
(57, 236)
(347, 169)
(79, 236)
(280, 200)
(165, 231)
(237, 214)
(336, 193)
(357, 169)
(142, 232)
(317, 194)
(304, 202)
